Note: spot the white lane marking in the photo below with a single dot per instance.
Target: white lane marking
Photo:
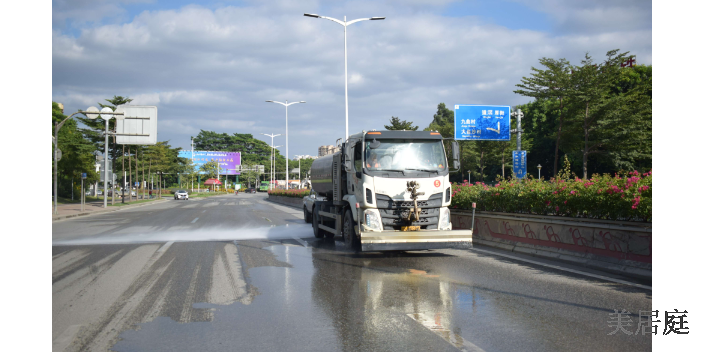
(64, 340)
(302, 242)
(203, 211)
(165, 247)
(435, 325)
(194, 220)
(566, 269)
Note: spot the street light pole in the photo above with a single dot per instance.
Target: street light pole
(271, 154)
(274, 148)
(344, 24)
(286, 104)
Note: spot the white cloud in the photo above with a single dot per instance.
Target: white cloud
(213, 69)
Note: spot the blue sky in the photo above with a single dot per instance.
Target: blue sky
(211, 65)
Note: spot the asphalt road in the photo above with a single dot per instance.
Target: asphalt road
(241, 273)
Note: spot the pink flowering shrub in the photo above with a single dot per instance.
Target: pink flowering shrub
(624, 196)
(294, 193)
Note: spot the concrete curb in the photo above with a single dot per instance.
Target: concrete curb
(591, 263)
(615, 247)
(107, 211)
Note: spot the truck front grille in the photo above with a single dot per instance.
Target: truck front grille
(394, 212)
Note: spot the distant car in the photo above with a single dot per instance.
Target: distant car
(181, 194)
(250, 190)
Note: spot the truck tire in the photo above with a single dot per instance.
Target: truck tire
(350, 237)
(316, 220)
(306, 215)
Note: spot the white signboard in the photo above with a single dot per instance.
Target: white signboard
(257, 168)
(138, 126)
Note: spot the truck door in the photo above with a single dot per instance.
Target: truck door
(357, 163)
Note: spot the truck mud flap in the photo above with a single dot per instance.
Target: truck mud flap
(415, 240)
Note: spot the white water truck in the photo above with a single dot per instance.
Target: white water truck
(387, 190)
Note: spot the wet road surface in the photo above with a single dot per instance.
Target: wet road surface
(249, 275)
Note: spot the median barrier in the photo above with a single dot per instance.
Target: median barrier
(292, 201)
(615, 246)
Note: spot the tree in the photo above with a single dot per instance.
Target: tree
(210, 169)
(552, 83)
(77, 153)
(591, 89)
(249, 174)
(399, 125)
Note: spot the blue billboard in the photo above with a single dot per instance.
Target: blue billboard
(482, 122)
(229, 161)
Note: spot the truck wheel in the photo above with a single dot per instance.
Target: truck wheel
(306, 215)
(351, 238)
(316, 220)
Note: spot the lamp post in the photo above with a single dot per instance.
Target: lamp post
(469, 178)
(274, 147)
(344, 24)
(539, 167)
(106, 113)
(286, 104)
(271, 154)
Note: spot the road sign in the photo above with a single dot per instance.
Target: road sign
(138, 125)
(84, 175)
(483, 122)
(519, 163)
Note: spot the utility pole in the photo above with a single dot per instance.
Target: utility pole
(518, 115)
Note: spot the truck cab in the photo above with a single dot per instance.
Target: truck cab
(388, 190)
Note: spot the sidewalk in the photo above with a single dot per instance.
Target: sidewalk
(74, 209)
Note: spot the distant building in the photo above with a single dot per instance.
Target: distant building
(327, 149)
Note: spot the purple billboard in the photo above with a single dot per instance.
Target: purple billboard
(229, 161)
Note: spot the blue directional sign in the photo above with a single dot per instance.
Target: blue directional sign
(84, 175)
(483, 122)
(519, 163)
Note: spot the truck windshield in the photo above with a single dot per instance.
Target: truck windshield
(405, 154)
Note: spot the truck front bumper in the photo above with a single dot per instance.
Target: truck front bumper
(415, 240)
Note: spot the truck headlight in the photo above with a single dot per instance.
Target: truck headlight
(371, 219)
(444, 223)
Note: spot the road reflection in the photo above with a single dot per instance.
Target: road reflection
(369, 296)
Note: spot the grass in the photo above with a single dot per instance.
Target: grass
(132, 202)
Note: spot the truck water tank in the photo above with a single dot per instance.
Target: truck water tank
(321, 175)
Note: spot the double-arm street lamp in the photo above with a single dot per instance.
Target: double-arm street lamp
(344, 24)
(106, 113)
(271, 153)
(286, 104)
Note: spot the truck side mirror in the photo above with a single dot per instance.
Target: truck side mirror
(455, 155)
(348, 152)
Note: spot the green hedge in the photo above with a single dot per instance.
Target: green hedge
(293, 193)
(624, 196)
